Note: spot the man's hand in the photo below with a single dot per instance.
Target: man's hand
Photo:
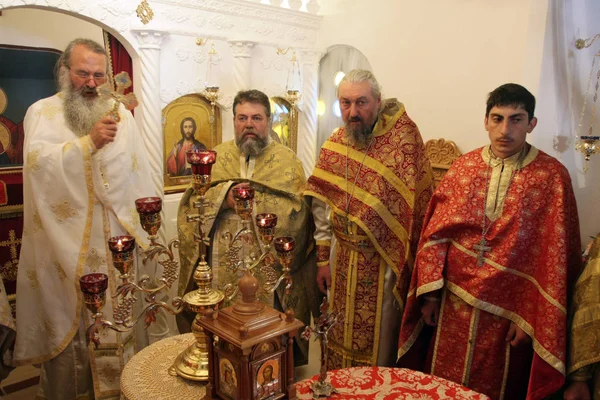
(230, 200)
(577, 391)
(517, 336)
(323, 278)
(431, 311)
(104, 132)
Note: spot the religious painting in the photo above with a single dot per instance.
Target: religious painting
(228, 381)
(284, 126)
(189, 123)
(267, 382)
(26, 76)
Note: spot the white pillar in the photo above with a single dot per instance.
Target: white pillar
(307, 124)
(242, 56)
(149, 51)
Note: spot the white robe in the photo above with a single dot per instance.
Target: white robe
(75, 198)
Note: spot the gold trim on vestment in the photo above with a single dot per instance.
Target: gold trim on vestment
(370, 200)
(473, 326)
(520, 274)
(379, 312)
(505, 373)
(438, 330)
(412, 339)
(374, 165)
(429, 287)
(548, 357)
(350, 306)
(359, 222)
(497, 187)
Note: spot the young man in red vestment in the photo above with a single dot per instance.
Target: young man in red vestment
(499, 250)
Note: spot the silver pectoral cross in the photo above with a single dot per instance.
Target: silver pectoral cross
(481, 248)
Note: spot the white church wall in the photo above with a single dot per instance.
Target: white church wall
(167, 61)
(564, 79)
(441, 58)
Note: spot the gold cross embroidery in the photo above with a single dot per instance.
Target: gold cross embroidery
(9, 270)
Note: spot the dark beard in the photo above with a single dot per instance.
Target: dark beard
(252, 146)
(81, 113)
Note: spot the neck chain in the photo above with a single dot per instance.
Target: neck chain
(349, 195)
(482, 246)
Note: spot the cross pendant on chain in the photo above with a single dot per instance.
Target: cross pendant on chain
(481, 248)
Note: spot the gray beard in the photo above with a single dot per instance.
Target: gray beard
(81, 113)
(359, 136)
(252, 147)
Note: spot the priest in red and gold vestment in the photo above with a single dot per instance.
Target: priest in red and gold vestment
(371, 186)
(498, 253)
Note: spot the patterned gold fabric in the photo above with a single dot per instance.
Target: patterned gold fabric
(147, 376)
(377, 199)
(584, 346)
(278, 179)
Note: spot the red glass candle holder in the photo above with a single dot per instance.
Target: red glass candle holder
(93, 286)
(149, 210)
(122, 248)
(148, 205)
(201, 161)
(244, 201)
(266, 223)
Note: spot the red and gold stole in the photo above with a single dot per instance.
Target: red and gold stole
(384, 193)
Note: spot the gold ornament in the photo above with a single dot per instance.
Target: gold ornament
(144, 12)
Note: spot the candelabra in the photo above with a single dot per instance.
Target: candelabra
(122, 248)
(192, 363)
(264, 265)
(322, 326)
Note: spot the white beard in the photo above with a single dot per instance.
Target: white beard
(81, 113)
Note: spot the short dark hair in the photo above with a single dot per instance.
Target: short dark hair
(511, 94)
(183, 122)
(253, 96)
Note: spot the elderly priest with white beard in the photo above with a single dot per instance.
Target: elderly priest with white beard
(82, 173)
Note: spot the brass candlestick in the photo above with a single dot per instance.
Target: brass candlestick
(193, 363)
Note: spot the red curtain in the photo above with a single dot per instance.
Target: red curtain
(119, 58)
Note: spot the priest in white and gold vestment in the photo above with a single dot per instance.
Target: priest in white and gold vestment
(82, 174)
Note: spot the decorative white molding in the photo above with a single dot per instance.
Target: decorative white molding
(242, 53)
(251, 11)
(241, 48)
(149, 52)
(149, 38)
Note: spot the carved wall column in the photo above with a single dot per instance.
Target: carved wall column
(149, 51)
(307, 124)
(151, 130)
(242, 55)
